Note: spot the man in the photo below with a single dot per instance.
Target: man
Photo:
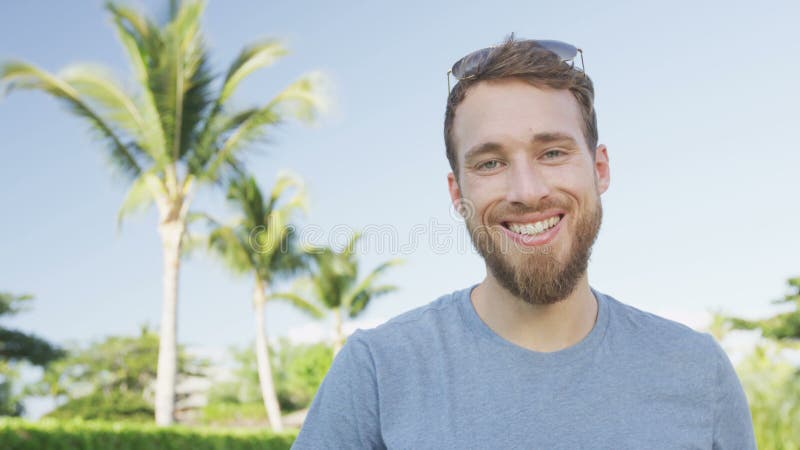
(532, 357)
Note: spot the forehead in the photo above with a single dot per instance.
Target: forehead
(512, 112)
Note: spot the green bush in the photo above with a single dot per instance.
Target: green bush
(116, 406)
(18, 434)
(301, 369)
(772, 385)
(297, 369)
(233, 413)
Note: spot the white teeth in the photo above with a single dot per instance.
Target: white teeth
(534, 228)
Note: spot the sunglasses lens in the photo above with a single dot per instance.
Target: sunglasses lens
(468, 64)
(562, 49)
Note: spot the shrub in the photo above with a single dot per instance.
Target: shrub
(116, 406)
(18, 434)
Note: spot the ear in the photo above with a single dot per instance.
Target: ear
(601, 169)
(455, 191)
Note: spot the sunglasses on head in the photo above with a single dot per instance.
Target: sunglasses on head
(466, 67)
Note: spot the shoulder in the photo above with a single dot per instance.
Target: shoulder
(422, 325)
(631, 319)
(680, 358)
(652, 332)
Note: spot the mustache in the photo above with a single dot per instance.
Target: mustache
(521, 210)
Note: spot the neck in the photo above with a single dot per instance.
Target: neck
(541, 328)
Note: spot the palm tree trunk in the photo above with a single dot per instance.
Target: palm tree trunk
(338, 339)
(262, 357)
(171, 233)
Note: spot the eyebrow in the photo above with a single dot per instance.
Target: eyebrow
(538, 139)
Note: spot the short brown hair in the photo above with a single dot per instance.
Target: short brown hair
(543, 69)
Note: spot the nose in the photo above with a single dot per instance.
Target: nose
(527, 184)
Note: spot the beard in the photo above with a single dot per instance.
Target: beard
(534, 274)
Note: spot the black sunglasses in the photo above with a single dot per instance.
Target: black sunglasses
(465, 67)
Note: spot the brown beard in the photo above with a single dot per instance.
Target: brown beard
(538, 278)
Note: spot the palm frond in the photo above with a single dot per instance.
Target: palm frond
(245, 128)
(144, 190)
(287, 179)
(99, 87)
(299, 302)
(383, 289)
(289, 261)
(350, 247)
(196, 102)
(196, 74)
(141, 32)
(216, 128)
(366, 285)
(174, 72)
(303, 99)
(266, 240)
(232, 249)
(253, 57)
(196, 216)
(361, 301)
(140, 39)
(21, 75)
(333, 274)
(246, 195)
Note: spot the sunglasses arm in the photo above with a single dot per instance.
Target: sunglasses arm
(448, 83)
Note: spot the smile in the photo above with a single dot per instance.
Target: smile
(533, 234)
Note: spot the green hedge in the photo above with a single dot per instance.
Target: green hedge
(19, 434)
(116, 406)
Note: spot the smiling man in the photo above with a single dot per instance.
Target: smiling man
(532, 357)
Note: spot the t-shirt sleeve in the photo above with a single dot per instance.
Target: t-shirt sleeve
(344, 412)
(733, 424)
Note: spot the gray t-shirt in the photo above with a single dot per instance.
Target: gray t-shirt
(437, 377)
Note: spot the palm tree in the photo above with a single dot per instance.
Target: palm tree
(262, 244)
(172, 132)
(334, 285)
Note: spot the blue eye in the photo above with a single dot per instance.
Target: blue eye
(485, 165)
(558, 153)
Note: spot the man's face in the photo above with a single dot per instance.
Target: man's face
(522, 159)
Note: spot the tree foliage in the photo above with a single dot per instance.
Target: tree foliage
(301, 369)
(17, 347)
(782, 326)
(110, 378)
(261, 241)
(335, 283)
(298, 370)
(771, 381)
(772, 385)
(116, 406)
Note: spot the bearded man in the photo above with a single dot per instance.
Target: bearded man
(532, 357)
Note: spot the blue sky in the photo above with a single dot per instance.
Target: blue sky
(697, 103)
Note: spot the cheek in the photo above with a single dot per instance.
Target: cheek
(578, 183)
(482, 204)
(476, 195)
